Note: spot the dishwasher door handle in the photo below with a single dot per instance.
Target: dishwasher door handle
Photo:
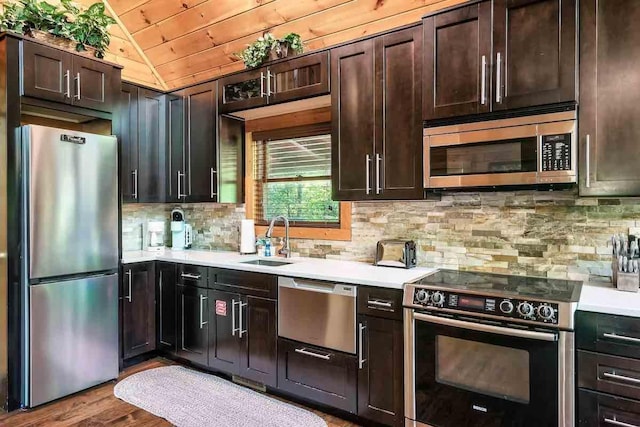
(318, 286)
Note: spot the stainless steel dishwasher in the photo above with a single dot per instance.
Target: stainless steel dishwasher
(317, 312)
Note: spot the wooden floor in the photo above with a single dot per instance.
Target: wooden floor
(98, 407)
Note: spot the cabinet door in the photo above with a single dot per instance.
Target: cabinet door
(166, 307)
(243, 91)
(92, 84)
(457, 59)
(193, 326)
(127, 129)
(175, 148)
(138, 310)
(398, 98)
(609, 64)
(201, 176)
(534, 49)
(46, 73)
(231, 140)
(258, 357)
(596, 409)
(151, 146)
(352, 125)
(299, 78)
(380, 374)
(224, 331)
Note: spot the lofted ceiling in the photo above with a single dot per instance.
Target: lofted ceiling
(173, 43)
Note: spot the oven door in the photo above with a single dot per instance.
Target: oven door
(469, 373)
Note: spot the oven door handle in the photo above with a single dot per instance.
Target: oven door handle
(481, 327)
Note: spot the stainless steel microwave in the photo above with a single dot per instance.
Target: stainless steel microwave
(530, 150)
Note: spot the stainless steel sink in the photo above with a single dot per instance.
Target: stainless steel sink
(266, 262)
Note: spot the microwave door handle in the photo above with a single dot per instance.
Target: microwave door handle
(482, 327)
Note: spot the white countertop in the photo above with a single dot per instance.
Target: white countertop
(357, 273)
(604, 298)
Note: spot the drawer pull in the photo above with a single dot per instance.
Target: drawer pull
(615, 376)
(191, 276)
(378, 303)
(615, 422)
(313, 354)
(621, 337)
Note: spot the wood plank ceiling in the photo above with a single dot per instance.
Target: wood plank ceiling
(175, 43)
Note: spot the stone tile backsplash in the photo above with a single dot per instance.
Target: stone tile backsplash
(553, 234)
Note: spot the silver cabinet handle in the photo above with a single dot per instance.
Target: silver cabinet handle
(160, 285)
(269, 89)
(135, 183)
(182, 323)
(367, 177)
(313, 354)
(180, 195)
(483, 83)
(273, 85)
(361, 359)
(378, 160)
(621, 337)
(499, 78)
(587, 171)
(190, 276)
(262, 92)
(377, 303)
(241, 332)
(213, 193)
(233, 318)
(77, 79)
(615, 422)
(615, 376)
(67, 77)
(202, 321)
(128, 297)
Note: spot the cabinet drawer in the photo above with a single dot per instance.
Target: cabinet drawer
(605, 333)
(595, 409)
(193, 275)
(609, 374)
(380, 302)
(317, 374)
(257, 284)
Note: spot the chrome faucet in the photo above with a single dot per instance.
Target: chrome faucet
(286, 250)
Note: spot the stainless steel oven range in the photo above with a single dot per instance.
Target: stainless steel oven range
(489, 350)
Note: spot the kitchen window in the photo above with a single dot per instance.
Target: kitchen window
(292, 177)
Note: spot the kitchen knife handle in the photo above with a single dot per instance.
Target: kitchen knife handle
(587, 169)
(483, 84)
(129, 274)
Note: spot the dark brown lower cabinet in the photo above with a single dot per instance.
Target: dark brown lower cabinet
(138, 309)
(193, 326)
(317, 374)
(597, 409)
(224, 341)
(380, 374)
(167, 303)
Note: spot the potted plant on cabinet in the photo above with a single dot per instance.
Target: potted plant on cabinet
(268, 47)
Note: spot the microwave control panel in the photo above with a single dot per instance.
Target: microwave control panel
(556, 152)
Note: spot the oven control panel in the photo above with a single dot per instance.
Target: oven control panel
(508, 308)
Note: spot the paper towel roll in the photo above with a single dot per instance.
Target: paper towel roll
(247, 237)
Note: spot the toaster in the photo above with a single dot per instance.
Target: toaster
(396, 253)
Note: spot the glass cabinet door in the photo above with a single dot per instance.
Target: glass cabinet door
(242, 91)
(299, 78)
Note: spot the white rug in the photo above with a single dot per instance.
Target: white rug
(189, 398)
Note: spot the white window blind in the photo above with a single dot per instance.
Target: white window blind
(293, 178)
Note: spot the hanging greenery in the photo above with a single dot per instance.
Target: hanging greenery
(269, 47)
(85, 27)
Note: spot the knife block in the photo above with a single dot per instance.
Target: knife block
(628, 282)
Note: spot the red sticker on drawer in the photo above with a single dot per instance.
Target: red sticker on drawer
(221, 308)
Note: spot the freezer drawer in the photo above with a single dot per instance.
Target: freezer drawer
(73, 336)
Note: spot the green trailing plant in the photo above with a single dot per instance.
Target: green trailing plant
(86, 27)
(257, 52)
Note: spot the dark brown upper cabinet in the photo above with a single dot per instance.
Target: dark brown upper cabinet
(138, 296)
(500, 55)
(204, 149)
(140, 127)
(609, 64)
(377, 125)
(288, 80)
(457, 60)
(55, 75)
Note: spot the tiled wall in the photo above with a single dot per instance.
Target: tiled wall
(554, 234)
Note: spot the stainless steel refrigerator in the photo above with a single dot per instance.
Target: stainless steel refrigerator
(70, 245)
